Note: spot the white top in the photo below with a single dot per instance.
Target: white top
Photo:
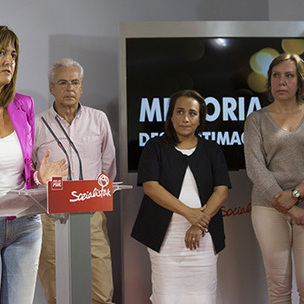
(11, 164)
(189, 192)
(179, 224)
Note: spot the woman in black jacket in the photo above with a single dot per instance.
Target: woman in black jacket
(185, 181)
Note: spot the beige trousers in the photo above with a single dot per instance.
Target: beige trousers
(278, 237)
(102, 282)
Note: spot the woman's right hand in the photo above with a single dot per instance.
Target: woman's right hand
(162, 197)
(198, 218)
(49, 169)
(192, 237)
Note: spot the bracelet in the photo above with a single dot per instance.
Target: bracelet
(36, 180)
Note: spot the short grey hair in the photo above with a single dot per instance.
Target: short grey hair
(65, 62)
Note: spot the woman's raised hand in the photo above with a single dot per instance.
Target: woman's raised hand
(48, 169)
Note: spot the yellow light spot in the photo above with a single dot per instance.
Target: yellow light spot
(294, 46)
(260, 61)
(257, 82)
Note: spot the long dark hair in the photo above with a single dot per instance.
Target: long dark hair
(7, 38)
(170, 133)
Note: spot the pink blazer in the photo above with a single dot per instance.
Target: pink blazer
(21, 112)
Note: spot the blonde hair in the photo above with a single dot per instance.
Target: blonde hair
(300, 73)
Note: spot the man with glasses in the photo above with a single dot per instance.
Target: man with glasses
(90, 131)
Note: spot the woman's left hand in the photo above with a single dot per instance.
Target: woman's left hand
(49, 169)
(283, 201)
(192, 237)
(297, 214)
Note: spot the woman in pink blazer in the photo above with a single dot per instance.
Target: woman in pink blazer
(20, 238)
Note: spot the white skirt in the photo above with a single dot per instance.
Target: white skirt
(180, 275)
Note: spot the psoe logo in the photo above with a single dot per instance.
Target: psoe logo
(57, 183)
(104, 190)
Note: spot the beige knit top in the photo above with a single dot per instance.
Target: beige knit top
(274, 157)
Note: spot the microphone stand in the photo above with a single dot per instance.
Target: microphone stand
(60, 146)
(73, 146)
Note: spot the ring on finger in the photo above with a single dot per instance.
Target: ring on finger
(193, 239)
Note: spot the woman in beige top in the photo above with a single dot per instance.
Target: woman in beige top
(274, 153)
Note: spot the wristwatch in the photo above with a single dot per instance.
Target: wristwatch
(296, 194)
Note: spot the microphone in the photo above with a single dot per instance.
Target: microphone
(61, 147)
(73, 146)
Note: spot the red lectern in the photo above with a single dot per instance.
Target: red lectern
(72, 202)
(80, 195)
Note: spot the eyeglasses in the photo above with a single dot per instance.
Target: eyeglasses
(65, 83)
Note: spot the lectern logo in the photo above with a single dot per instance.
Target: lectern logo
(57, 183)
(80, 195)
(103, 182)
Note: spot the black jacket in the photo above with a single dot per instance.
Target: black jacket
(161, 162)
